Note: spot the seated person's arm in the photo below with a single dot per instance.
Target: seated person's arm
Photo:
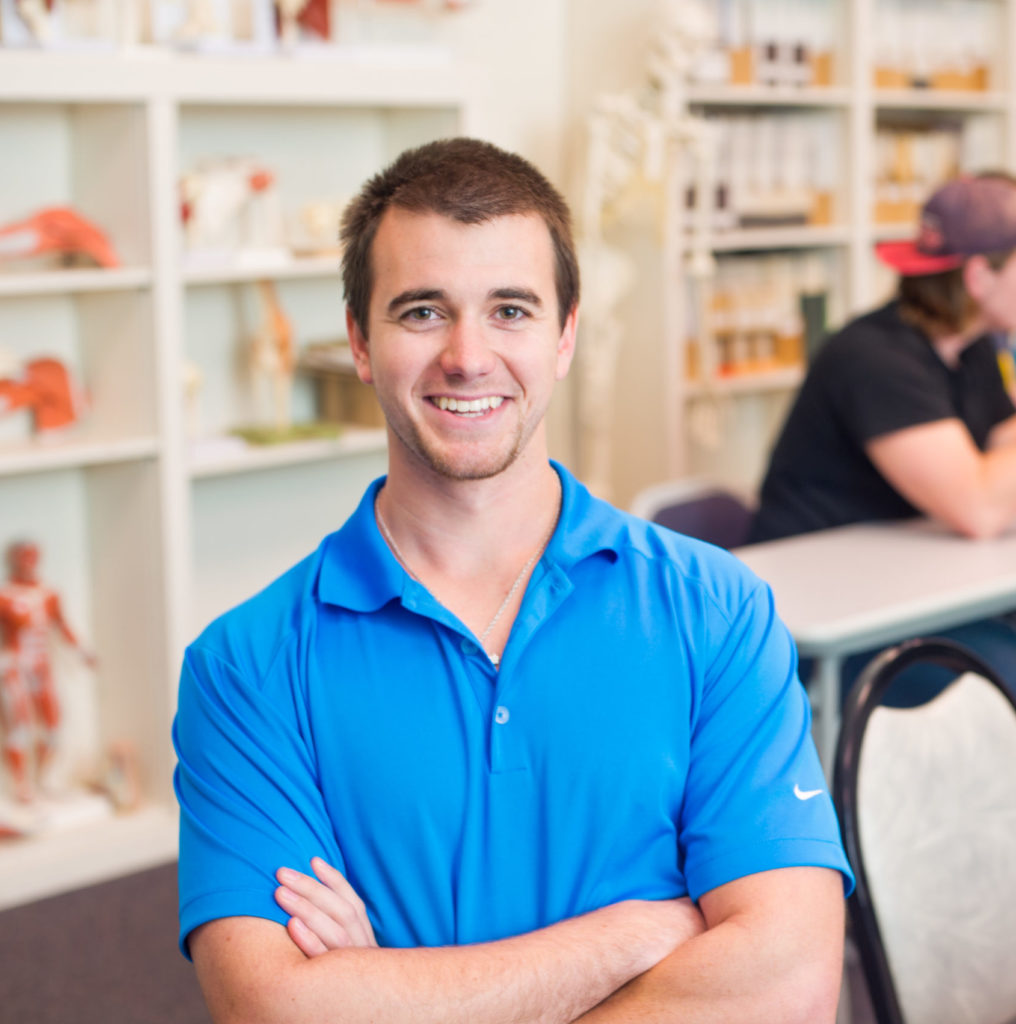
(1003, 434)
(938, 469)
(772, 951)
(329, 969)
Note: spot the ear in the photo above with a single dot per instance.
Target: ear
(358, 346)
(978, 277)
(566, 344)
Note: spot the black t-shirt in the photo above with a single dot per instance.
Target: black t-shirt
(875, 376)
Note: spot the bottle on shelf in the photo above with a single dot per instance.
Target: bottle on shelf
(935, 44)
(779, 44)
(774, 170)
(762, 313)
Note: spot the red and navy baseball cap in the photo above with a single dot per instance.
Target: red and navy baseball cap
(964, 217)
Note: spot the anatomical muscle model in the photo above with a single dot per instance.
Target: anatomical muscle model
(29, 705)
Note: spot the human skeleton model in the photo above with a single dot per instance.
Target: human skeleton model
(272, 356)
(648, 134)
(57, 229)
(29, 706)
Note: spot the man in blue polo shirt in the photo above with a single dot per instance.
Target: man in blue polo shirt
(497, 751)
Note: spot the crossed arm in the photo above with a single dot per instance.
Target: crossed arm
(765, 947)
(939, 470)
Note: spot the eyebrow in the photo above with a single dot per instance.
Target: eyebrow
(415, 295)
(519, 294)
(412, 295)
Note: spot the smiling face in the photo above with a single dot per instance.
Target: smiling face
(464, 340)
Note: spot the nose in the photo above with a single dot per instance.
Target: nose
(466, 353)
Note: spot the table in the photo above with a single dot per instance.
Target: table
(854, 588)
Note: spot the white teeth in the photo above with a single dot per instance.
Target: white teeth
(468, 406)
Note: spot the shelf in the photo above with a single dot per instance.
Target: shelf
(42, 866)
(747, 383)
(241, 272)
(763, 96)
(780, 238)
(928, 99)
(73, 453)
(903, 231)
(368, 76)
(223, 456)
(62, 282)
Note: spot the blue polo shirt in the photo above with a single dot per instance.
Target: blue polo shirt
(644, 737)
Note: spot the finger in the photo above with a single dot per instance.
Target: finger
(328, 930)
(307, 942)
(338, 883)
(336, 897)
(338, 901)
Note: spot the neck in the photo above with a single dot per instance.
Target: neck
(951, 346)
(465, 526)
(473, 545)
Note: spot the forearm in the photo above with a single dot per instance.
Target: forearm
(761, 964)
(720, 977)
(550, 976)
(938, 469)
(997, 491)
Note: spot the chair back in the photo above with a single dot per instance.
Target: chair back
(927, 804)
(697, 508)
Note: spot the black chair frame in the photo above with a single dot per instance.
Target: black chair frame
(865, 695)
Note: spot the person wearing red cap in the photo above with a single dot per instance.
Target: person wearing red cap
(904, 411)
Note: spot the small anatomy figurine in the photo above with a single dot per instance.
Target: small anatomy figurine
(272, 354)
(29, 707)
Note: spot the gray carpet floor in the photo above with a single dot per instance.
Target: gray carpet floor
(105, 954)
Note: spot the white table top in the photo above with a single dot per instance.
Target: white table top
(861, 586)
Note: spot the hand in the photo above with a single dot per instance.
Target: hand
(326, 911)
(666, 924)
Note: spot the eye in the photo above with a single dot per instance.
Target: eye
(511, 313)
(419, 314)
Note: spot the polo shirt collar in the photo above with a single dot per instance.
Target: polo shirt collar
(359, 572)
(587, 525)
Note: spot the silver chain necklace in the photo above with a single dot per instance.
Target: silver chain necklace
(495, 658)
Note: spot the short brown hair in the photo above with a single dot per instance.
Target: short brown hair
(469, 181)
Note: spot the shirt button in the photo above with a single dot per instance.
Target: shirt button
(501, 715)
(468, 647)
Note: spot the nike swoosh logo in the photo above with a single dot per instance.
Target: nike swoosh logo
(805, 794)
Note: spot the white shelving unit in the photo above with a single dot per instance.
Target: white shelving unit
(146, 534)
(743, 413)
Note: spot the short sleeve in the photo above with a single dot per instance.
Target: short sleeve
(989, 402)
(880, 383)
(247, 789)
(756, 798)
